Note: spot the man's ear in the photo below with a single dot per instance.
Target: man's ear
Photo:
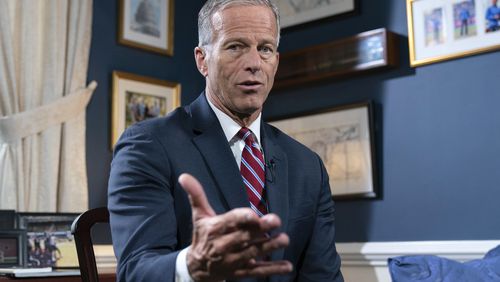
(201, 60)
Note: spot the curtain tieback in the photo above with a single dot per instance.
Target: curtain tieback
(20, 125)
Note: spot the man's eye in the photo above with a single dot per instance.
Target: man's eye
(266, 49)
(234, 47)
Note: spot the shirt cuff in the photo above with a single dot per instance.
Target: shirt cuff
(181, 269)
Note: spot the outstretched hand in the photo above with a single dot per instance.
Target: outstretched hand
(229, 245)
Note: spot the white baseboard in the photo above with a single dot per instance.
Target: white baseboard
(366, 262)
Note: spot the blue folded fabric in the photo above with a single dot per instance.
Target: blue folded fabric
(427, 268)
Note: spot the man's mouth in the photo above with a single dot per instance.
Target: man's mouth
(250, 85)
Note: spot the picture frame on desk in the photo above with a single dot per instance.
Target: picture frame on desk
(293, 13)
(136, 98)
(49, 242)
(12, 248)
(367, 51)
(147, 24)
(450, 29)
(8, 219)
(343, 137)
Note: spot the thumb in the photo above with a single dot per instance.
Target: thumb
(197, 198)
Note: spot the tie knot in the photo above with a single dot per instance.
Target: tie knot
(245, 134)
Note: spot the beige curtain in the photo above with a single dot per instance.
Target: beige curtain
(44, 50)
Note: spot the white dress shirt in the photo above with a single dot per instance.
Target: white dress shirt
(230, 128)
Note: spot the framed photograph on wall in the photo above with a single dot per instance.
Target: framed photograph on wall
(344, 139)
(440, 30)
(12, 248)
(136, 98)
(49, 240)
(147, 24)
(295, 12)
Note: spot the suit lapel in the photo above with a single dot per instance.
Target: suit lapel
(212, 144)
(276, 181)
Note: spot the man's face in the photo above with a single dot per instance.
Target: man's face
(240, 63)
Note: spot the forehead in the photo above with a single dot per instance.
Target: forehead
(245, 21)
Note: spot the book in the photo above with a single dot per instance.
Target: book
(19, 270)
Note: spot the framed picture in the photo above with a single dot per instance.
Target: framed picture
(12, 248)
(8, 219)
(137, 98)
(49, 240)
(294, 12)
(147, 24)
(446, 29)
(343, 137)
(366, 51)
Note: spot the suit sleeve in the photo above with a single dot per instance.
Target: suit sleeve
(141, 206)
(321, 261)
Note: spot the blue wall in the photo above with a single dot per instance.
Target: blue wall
(438, 126)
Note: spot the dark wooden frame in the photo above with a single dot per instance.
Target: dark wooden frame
(374, 193)
(20, 236)
(339, 58)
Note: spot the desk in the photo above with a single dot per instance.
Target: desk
(105, 277)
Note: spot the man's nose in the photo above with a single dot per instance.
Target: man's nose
(253, 61)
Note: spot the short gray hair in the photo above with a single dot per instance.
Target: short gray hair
(205, 26)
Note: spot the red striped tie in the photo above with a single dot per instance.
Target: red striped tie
(253, 172)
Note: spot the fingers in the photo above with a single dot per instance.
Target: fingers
(248, 244)
(246, 219)
(198, 199)
(264, 269)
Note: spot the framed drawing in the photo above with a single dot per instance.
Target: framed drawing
(343, 137)
(367, 51)
(147, 24)
(446, 29)
(49, 239)
(12, 248)
(294, 12)
(137, 98)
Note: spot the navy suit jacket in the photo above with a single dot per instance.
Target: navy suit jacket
(150, 213)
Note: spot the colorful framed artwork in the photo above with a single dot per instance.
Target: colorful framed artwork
(49, 241)
(440, 30)
(343, 137)
(12, 248)
(136, 98)
(147, 24)
(295, 12)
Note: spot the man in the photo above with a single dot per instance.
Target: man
(492, 17)
(191, 196)
(464, 16)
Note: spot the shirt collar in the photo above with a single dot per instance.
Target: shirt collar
(230, 127)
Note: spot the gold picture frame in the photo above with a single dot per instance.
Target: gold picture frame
(448, 29)
(136, 98)
(147, 24)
